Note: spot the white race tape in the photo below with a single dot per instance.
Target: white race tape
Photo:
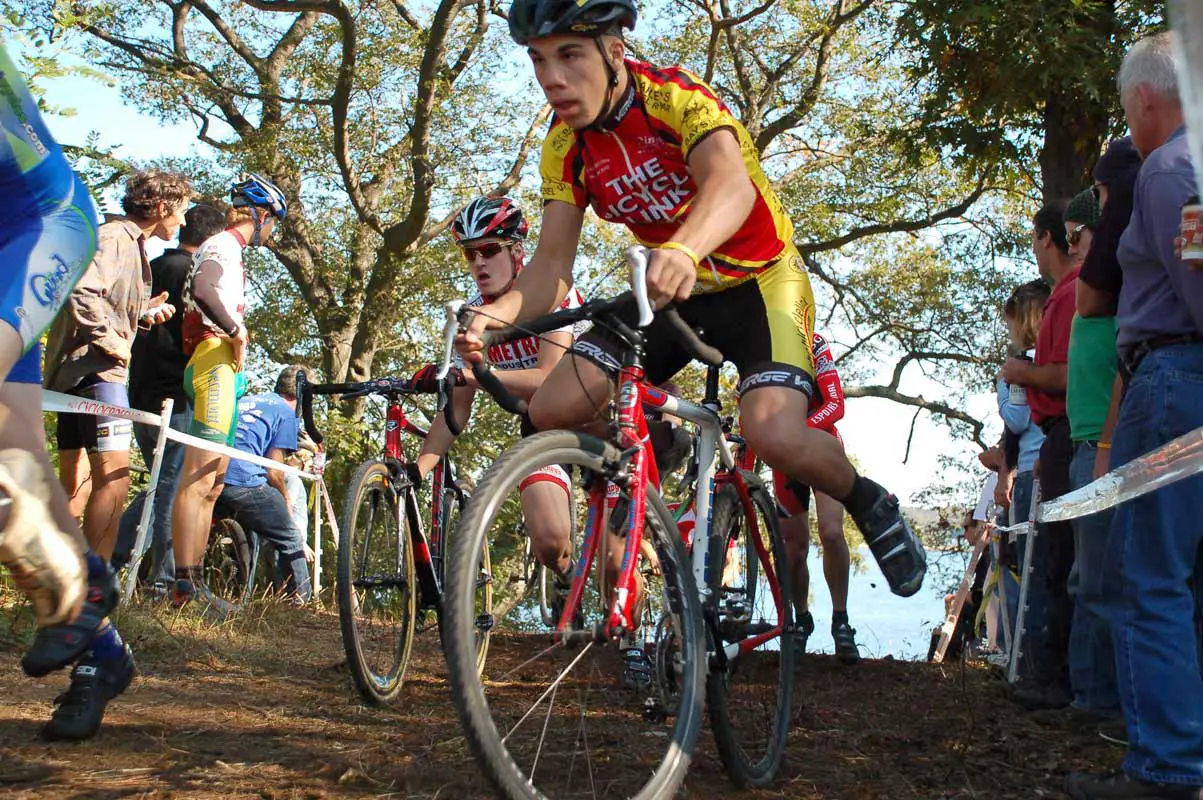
(1181, 458)
(65, 403)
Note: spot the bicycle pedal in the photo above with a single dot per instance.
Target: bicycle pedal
(653, 711)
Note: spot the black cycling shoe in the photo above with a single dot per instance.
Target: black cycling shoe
(805, 627)
(899, 553)
(845, 643)
(56, 646)
(79, 710)
(559, 602)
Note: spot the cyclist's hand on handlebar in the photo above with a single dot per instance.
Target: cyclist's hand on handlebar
(426, 380)
(670, 276)
(469, 342)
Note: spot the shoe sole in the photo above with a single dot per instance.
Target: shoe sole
(40, 668)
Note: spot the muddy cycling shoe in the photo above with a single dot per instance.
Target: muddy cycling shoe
(197, 593)
(845, 643)
(94, 682)
(45, 563)
(899, 553)
(56, 646)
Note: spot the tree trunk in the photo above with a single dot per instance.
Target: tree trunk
(1074, 132)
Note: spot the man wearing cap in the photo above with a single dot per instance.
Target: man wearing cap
(1047, 684)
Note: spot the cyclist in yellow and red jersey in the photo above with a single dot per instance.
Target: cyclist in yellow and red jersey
(793, 500)
(654, 149)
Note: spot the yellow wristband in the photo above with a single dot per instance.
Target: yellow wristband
(684, 249)
(1104, 445)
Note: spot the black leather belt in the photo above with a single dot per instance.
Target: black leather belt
(1131, 360)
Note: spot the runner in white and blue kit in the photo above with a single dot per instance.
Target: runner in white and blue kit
(47, 239)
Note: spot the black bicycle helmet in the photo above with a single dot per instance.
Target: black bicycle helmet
(534, 19)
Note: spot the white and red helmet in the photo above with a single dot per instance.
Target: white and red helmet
(489, 216)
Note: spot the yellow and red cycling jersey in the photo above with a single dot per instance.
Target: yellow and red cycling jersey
(633, 170)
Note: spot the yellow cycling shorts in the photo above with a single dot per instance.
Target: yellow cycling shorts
(214, 389)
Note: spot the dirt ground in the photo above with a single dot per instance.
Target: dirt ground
(263, 707)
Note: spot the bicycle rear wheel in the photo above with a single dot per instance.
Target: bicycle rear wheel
(750, 690)
(376, 584)
(229, 562)
(550, 718)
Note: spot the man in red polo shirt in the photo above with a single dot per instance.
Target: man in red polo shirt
(1045, 681)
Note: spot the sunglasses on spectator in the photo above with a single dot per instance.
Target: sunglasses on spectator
(485, 250)
(1075, 235)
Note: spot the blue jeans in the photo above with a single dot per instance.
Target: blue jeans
(1091, 653)
(162, 558)
(262, 510)
(1152, 568)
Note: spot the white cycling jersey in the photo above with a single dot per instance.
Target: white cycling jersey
(224, 249)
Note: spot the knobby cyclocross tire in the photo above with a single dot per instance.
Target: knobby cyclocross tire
(452, 516)
(468, 692)
(751, 749)
(230, 562)
(376, 583)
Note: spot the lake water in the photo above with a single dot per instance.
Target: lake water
(885, 623)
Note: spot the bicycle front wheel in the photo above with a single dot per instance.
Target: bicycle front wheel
(567, 717)
(750, 685)
(376, 584)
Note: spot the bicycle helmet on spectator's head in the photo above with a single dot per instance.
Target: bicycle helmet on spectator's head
(534, 19)
(257, 192)
(489, 216)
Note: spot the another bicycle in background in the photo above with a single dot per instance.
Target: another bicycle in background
(546, 722)
(390, 566)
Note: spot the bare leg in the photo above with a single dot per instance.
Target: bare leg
(75, 475)
(201, 481)
(813, 457)
(110, 490)
(545, 511)
(836, 558)
(795, 534)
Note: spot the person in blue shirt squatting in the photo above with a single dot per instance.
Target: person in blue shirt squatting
(257, 498)
(47, 239)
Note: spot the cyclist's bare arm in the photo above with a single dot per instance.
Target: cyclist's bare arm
(725, 195)
(523, 383)
(439, 438)
(541, 286)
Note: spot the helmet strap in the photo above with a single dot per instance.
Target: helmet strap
(256, 237)
(611, 85)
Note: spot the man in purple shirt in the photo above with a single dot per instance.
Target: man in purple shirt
(1152, 563)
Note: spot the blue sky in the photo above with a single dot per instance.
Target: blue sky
(875, 431)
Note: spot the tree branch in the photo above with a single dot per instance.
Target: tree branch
(403, 235)
(933, 406)
(840, 14)
(899, 226)
(507, 183)
(406, 17)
